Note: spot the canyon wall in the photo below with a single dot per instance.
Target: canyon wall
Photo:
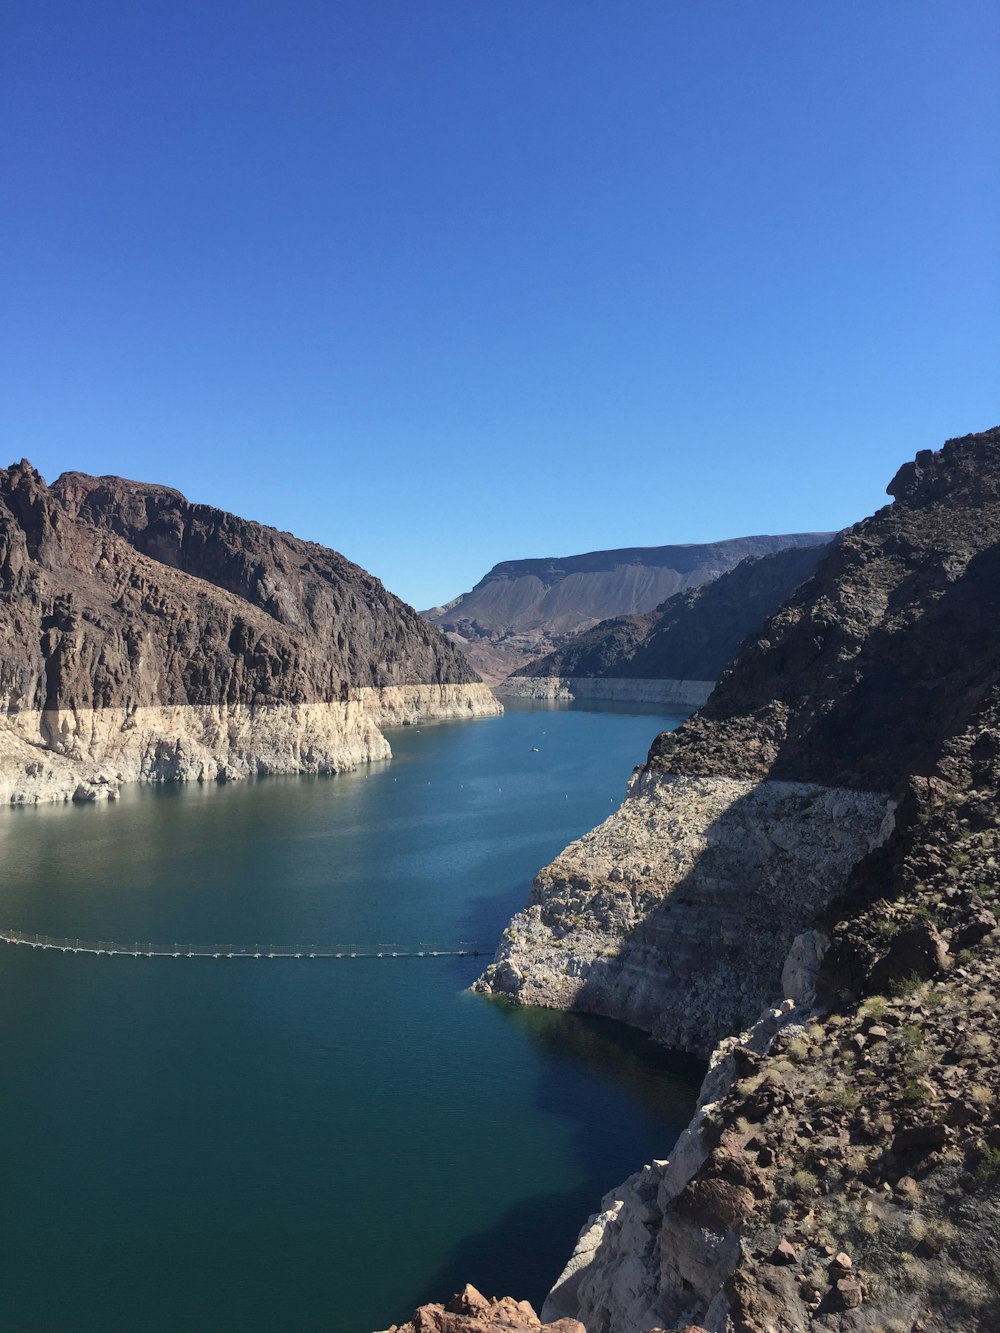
(143, 637)
(86, 754)
(677, 913)
(813, 858)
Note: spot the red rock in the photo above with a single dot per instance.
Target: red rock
(468, 1301)
(850, 1293)
(784, 1253)
(471, 1312)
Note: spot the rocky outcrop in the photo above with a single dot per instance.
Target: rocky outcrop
(872, 664)
(693, 636)
(471, 1312)
(666, 1240)
(145, 637)
(86, 754)
(677, 913)
(525, 608)
(841, 1172)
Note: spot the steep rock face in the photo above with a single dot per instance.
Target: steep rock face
(524, 608)
(146, 637)
(841, 1172)
(849, 688)
(693, 636)
(677, 913)
(365, 634)
(875, 660)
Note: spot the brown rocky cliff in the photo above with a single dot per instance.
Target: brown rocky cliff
(369, 636)
(142, 637)
(113, 593)
(858, 679)
(847, 1172)
(524, 608)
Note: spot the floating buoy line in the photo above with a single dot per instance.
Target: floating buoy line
(144, 949)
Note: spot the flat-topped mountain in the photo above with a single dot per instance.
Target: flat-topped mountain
(690, 638)
(524, 608)
(146, 636)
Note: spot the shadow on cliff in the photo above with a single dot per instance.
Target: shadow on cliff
(707, 953)
(523, 1250)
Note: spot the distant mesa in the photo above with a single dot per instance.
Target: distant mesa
(146, 637)
(523, 609)
(675, 653)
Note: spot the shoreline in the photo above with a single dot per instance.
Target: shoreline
(87, 754)
(682, 694)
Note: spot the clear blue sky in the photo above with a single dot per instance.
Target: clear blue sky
(445, 282)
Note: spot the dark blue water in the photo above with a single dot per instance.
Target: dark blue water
(295, 1145)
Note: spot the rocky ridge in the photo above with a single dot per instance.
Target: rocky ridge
(522, 609)
(684, 644)
(146, 637)
(842, 1170)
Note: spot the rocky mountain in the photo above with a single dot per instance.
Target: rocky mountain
(143, 636)
(524, 608)
(804, 876)
(675, 653)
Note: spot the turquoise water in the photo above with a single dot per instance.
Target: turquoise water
(294, 1145)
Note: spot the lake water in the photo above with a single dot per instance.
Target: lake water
(288, 1144)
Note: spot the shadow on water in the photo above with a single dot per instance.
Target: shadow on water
(541, 1232)
(485, 919)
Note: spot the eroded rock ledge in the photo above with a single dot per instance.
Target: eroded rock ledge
(677, 913)
(86, 754)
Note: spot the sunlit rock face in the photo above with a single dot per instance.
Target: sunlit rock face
(146, 637)
(677, 913)
(472, 1312)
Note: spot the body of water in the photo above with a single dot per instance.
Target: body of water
(310, 1144)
